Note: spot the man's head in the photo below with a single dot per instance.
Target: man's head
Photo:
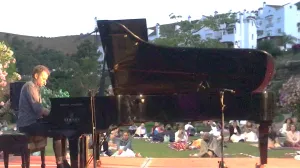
(125, 135)
(40, 75)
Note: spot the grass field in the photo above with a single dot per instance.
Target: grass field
(161, 150)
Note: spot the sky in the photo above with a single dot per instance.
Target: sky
(52, 18)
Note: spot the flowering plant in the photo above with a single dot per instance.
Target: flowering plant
(7, 72)
(289, 94)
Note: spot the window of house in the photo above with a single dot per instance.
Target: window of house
(252, 23)
(291, 7)
(252, 36)
(279, 30)
(298, 29)
(230, 31)
(260, 23)
(260, 32)
(252, 46)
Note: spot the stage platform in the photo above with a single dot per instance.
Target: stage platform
(111, 162)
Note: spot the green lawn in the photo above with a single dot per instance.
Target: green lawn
(161, 150)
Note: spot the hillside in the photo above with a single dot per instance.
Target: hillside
(65, 44)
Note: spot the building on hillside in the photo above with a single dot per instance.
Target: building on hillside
(275, 20)
(268, 22)
(241, 34)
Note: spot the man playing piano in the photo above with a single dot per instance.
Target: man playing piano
(31, 110)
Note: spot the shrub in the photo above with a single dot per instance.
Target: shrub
(48, 93)
(296, 48)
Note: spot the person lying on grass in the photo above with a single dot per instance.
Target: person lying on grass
(124, 147)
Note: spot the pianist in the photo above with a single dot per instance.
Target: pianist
(31, 110)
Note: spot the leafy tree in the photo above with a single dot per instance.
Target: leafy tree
(48, 93)
(288, 39)
(270, 47)
(185, 34)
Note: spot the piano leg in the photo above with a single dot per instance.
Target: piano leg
(98, 149)
(263, 142)
(83, 150)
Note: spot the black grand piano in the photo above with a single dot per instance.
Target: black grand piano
(167, 84)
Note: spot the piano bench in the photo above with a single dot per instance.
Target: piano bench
(23, 145)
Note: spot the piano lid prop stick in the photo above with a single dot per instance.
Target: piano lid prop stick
(94, 136)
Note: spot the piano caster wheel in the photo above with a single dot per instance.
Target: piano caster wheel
(98, 163)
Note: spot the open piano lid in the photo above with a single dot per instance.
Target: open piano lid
(137, 66)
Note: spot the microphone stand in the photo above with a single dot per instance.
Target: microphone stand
(222, 92)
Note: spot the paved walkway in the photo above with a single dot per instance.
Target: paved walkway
(111, 162)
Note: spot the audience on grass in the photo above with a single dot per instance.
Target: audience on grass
(235, 133)
(292, 137)
(250, 132)
(208, 145)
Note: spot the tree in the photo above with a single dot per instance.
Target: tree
(79, 72)
(270, 47)
(288, 39)
(185, 35)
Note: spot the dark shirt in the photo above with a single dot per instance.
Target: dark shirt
(30, 105)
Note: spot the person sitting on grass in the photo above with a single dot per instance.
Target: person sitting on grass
(273, 141)
(181, 139)
(250, 132)
(210, 147)
(140, 131)
(170, 133)
(124, 147)
(235, 133)
(292, 137)
(286, 126)
(132, 129)
(112, 143)
(158, 134)
(156, 124)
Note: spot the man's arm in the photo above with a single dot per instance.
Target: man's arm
(128, 145)
(33, 97)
